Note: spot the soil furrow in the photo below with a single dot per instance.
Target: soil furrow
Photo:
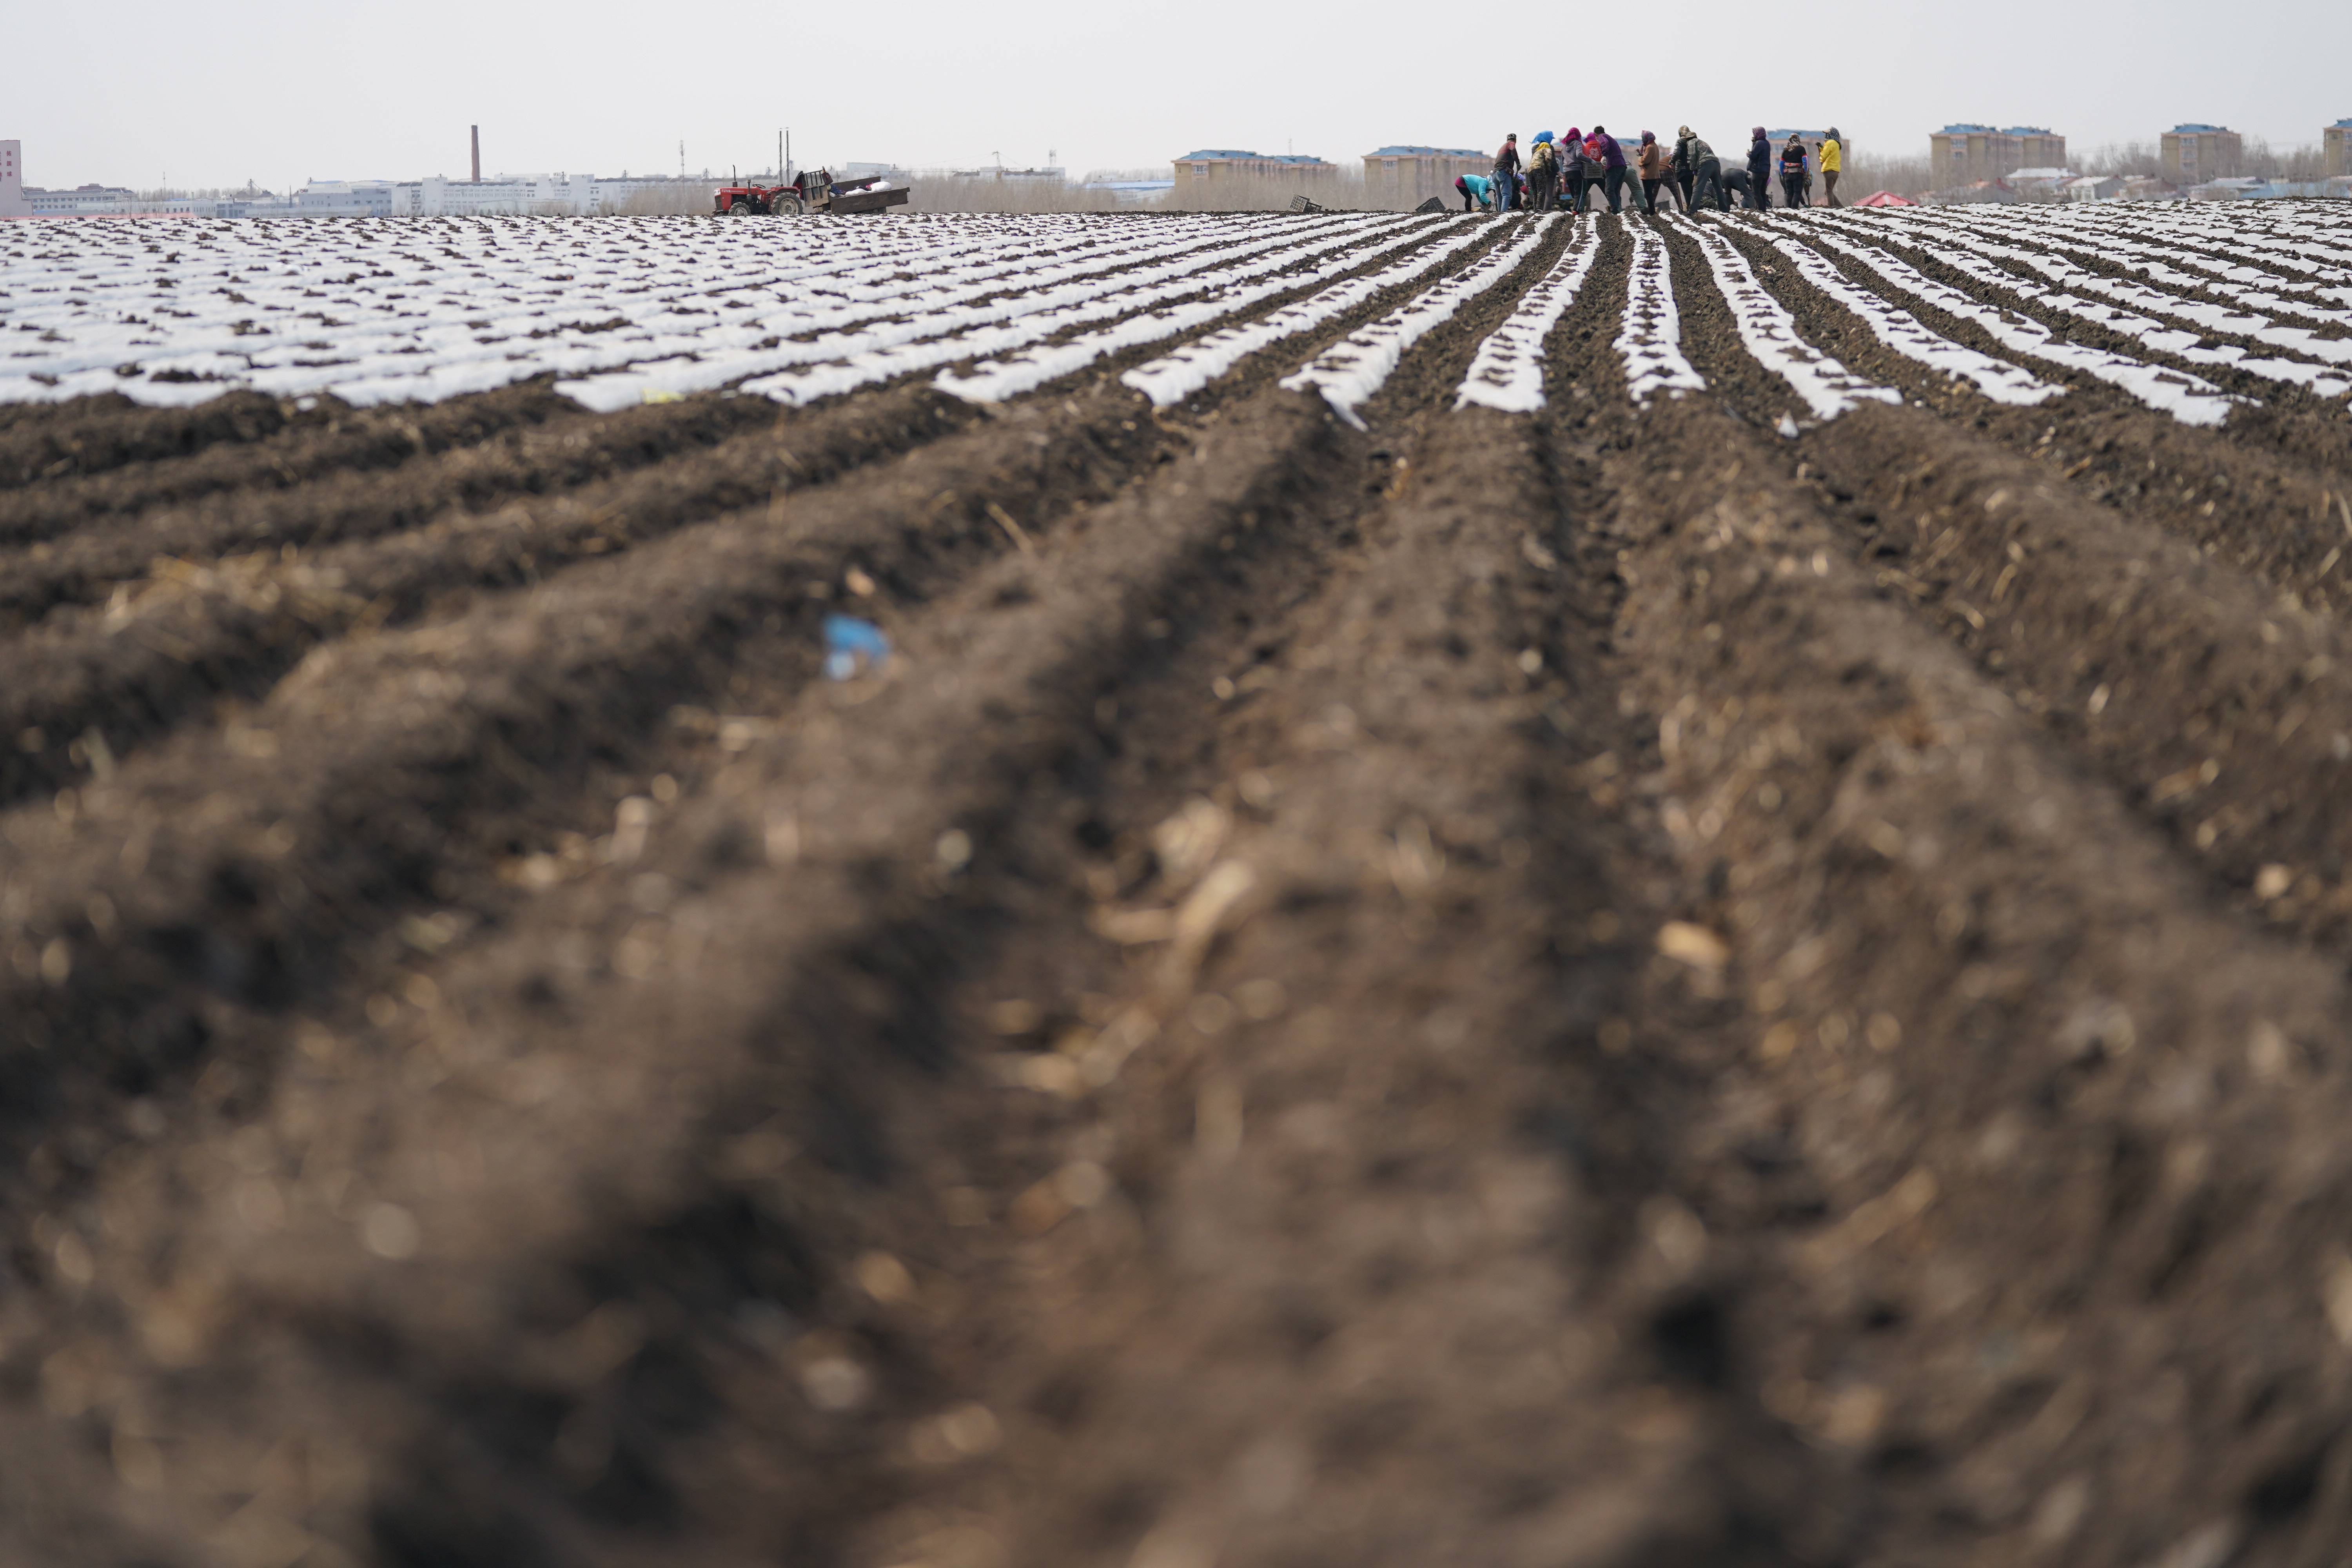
(576, 451)
(2312, 430)
(2067, 1123)
(313, 446)
(141, 665)
(2231, 492)
(1728, 980)
(191, 637)
(268, 509)
(2211, 705)
(737, 1069)
(1457, 945)
(95, 434)
(238, 862)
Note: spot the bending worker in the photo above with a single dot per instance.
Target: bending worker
(1699, 170)
(1543, 172)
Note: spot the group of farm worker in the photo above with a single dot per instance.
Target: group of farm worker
(1563, 172)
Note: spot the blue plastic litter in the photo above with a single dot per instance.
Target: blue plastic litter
(852, 647)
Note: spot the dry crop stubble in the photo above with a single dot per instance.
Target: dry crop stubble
(1573, 986)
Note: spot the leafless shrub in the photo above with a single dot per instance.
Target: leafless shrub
(1903, 176)
(1238, 193)
(670, 198)
(2127, 158)
(1265, 193)
(989, 193)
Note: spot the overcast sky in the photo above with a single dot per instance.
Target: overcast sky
(280, 90)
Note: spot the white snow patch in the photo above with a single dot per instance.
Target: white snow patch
(993, 380)
(1508, 373)
(1650, 341)
(1905, 333)
(2190, 346)
(1769, 333)
(1351, 370)
(2187, 398)
(1171, 380)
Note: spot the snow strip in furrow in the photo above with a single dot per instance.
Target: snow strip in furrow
(2187, 398)
(376, 311)
(1171, 380)
(1508, 373)
(2297, 251)
(993, 380)
(1650, 341)
(718, 357)
(864, 369)
(845, 361)
(1905, 333)
(2195, 312)
(2249, 286)
(1351, 370)
(161, 309)
(1769, 333)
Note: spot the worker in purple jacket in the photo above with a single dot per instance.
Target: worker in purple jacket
(1612, 164)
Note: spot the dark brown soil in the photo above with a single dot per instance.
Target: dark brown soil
(1602, 988)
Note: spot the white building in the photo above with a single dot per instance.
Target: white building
(439, 196)
(2094, 188)
(82, 200)
(2041, 183)
(346, 198)
(11, 180)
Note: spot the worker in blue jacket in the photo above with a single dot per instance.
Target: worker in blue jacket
(1476, 191)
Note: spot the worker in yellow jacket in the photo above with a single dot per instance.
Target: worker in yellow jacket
(1833, 158)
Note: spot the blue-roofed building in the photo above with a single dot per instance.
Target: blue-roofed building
(2193, 153)
(1208, 163)
(1403, 176)
(2336, 146)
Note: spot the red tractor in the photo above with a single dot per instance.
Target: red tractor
(810, 191)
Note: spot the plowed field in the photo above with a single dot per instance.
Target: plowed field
(1590, 891)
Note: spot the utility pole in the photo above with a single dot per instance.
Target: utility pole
(681, 157)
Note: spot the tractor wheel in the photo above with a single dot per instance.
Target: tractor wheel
(784, 205)
(738, 207)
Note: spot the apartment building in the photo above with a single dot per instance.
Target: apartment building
(1402, 176)
(11, 180)
(2191, 154)
(1232, 163)
(2334, 142)
(1964, 154)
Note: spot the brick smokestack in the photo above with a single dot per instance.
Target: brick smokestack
(478, 154)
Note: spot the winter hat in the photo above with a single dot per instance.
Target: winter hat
(1685, 130)
(1600, 130)
(1543, 136)
(1756, 134)
(1510, 136)
(1833, 134)
(1647, 138)
(1574, 136)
